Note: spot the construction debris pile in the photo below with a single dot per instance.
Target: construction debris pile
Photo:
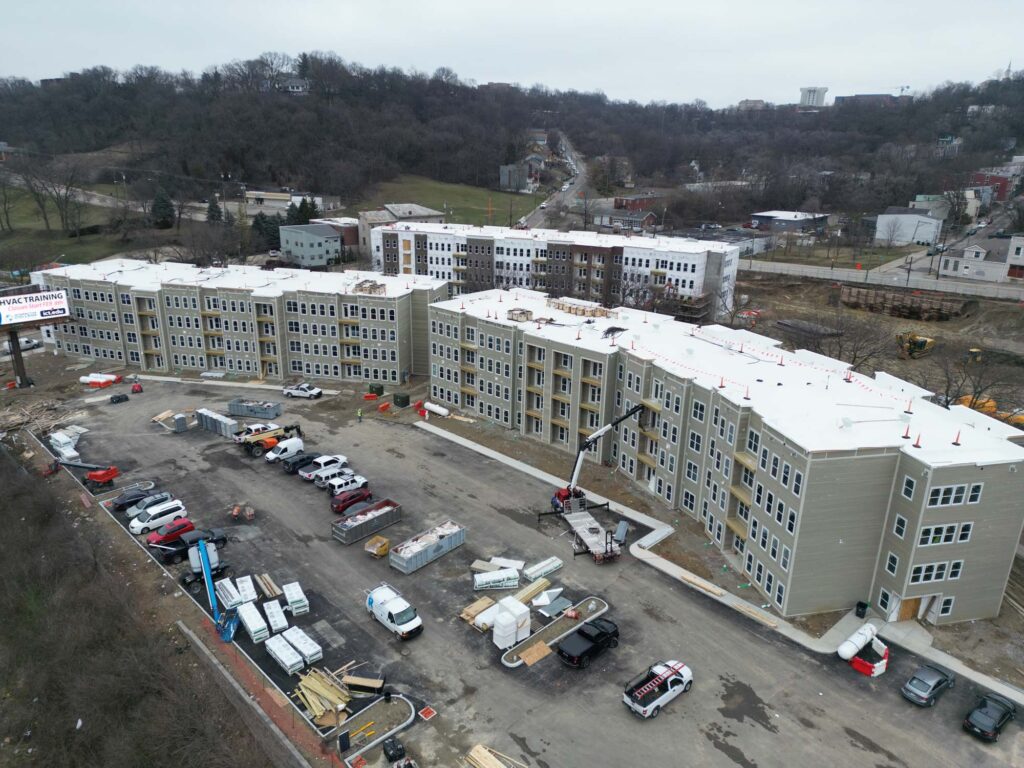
(38, 417)
(482, 756)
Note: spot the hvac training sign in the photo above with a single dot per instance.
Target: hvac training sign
(33, 307)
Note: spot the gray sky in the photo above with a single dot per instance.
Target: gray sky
(657, 50)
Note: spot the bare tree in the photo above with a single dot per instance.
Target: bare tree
(891, 231)
(32, 184)
(7, 202)
(861, 342)
(957, 200)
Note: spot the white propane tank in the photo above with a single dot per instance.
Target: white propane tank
(855, 642)
(440, 410)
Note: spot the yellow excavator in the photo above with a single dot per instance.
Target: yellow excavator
(913, 345)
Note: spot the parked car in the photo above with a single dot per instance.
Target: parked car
(345, 482)
(325, 476)
(987, 719)
(129, 499)
(285, 449)
(158, 515)
(170, 532)
(295, 463)
(115, 399)
(588, 642)
(24, 344)
(926, 685)
(343, 501)
(647, 694)
(320, 463)
(386, 605)
(174, 552)
(543, 205)
(253, 429)
(303, 390)
(151, 500)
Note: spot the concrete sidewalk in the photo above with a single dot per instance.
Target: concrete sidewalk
(218, 383)
(907, 634)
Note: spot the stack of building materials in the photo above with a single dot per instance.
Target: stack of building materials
(281, 651)
(527, 593)
(180, 423)
(275, 616)
(296, 599)
(546, 597)
(543, 568)
(482, 756)
(64, 441)
(484, 620)
(504, 562)
(377, 516)
(267, 586)
(304, 644)
(474, 609)
(512, 623)
(504, 633)
(481, 566)
(505, 578)
(246, 590)
(555, 607)
(253, 622)
(255, 409)
(227, 595)
(324, 696)
(424, 548)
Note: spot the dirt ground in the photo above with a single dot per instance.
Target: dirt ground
(819, 623)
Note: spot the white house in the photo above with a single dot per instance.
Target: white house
(903, 226)
(974, 262)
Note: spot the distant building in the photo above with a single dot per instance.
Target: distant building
(626, 219)
(902, 226)
(948, 146)
(639, 202)
(813, 96)
(514, 177)
(751, 105)
(936, 205)
(346, 226)
(297, 86)
(1015, 258)
(1001, 183)
(789, 221)
(280, 200)
(310, 245)
(389, 214)
(975, 262)
(873, 100)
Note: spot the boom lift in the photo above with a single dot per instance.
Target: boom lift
(98, 476)
(227, 622)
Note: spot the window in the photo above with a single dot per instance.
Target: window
(947, 606)
(899, 527)
(791, 521)
(948, 495)
(908, 487)
(892, 563)
(798, 483)
(955, 569)
(763, 463)
(753, 441)
(928, 572)
(965, 532)
(786, 472)
(775, 466)
(695, 441)
(759, 572)
(780, 593)
(933, 535)
(698, 411)
(691, 471)
(774, 550)
(764, 538)
(784, 560)
(883, 600)
(975, 495)
(689, 501)
(769, 582)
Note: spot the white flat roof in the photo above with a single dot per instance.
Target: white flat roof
(262, 282)
(337, 221)
(791, 215)
(806, 397)
(667, 244)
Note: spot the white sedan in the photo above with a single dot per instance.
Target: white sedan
(303, 390)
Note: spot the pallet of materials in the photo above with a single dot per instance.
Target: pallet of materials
(474, 609)
(506, 578)
(304, 644)
(530, 591)
(543, 568)
(246, 590)
(252, 621)
(275, 616)
(482, 756)
(281, 651)
(324, 696)
(424, 548)
(227, 595)
(296, 599)
(267, 586)
(367, 521)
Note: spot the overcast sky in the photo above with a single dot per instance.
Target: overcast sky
(659, 50)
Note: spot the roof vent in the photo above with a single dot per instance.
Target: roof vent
(519, 315)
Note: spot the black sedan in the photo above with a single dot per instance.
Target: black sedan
(988, 718)
(926, 685)
(129, 499)
(588, 642)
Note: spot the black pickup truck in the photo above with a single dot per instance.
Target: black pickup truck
(588, 642)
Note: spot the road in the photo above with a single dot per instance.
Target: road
(558, 199)
(758, 701)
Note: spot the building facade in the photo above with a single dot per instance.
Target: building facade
(823, 486)
(813, 96)
(691, 278)
(310, 245)
(902, 226)
(263, 324)
(789, 221)
(390, 214)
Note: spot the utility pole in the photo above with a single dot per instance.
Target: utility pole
(510, 213)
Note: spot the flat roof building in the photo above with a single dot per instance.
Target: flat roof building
(826, 487)
(689, 278)
(246, 321)
(310, 245)
(389, 214)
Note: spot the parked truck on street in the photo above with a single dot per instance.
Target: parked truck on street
(386, 605)
(647, 694)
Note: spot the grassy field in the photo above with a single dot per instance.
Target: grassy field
(465, 204)
(868, 258)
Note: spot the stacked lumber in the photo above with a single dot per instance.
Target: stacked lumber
(324, 696)
(474, 609)
(485, 757)
(267, 586)
(527, 593)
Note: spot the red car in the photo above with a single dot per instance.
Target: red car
(170, 532)
(343, 501)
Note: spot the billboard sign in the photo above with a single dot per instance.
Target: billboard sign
(33, 307)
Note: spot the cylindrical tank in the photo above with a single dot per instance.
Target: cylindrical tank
(855, 642)
(440, 410)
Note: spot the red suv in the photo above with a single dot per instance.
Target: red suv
(170, 532)
(343, 501)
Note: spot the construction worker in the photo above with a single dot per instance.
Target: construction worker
(359, 415)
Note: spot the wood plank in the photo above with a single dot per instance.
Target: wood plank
(535, 653)
(474, 609)
(530, 591)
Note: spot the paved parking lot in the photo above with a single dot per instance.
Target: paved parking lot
(757, 700)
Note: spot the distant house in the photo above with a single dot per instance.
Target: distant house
(903, 226)
(789, 221)
(515, 177)
(345, 226)
(297, 86)
(310, 245)
(937, 205)
(974, 262)
(1002, 184)
(621, 218)
(390, 214)
(638, 202)
(873, 100)
(751, 105)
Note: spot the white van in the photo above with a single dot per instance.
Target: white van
(25, 344)
(285, 449)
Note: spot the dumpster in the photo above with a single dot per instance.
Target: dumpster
(367, 521)
(424, 548)
(377, 389)
(255, 409)
(401, 399)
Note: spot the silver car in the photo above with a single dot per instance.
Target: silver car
(150, 501)
(926, 685)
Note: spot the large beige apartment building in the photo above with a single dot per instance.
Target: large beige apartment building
(825, 487)
(691, 279)
(247, 321)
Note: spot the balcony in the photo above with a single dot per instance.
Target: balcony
(746, 460)
(150, 332)
(534, 414)
(742, 494)
(212, 332)
(737, 526)
(559, 421)
(646, 458)
(594, 407)
(215, 352)
(565, 373)
(467, 367)
(268, 358)
(562, 397)
(539, 259)
(652, 405)
(204, 312)
(348, 321)
(535, 389)
(468, 390)
(537, 365)
(591, 380)
(649, 434)
(147, 312)
(264, 318)
(467, 344)
(459, 267)
(267, 338)
(351, 360)
(585, 431)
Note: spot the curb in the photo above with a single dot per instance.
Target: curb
(220, 383)
(659, 531)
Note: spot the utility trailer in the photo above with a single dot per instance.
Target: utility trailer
(366, 521)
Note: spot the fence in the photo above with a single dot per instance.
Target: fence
(888, 279)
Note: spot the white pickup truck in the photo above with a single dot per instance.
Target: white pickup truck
(303, 390)
(253, 429)
(387, 606)
(647, 694)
